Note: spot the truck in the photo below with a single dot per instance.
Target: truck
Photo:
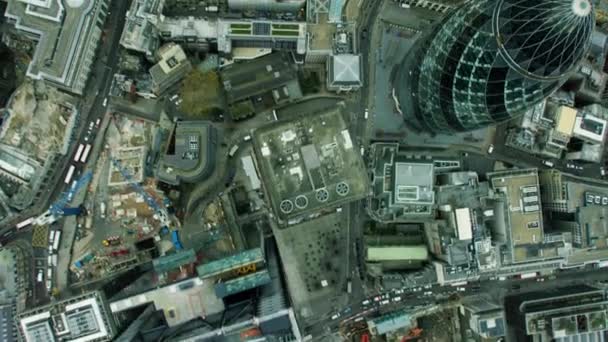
(84, 260)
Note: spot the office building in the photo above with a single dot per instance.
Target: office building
(402, 188)
(518, 217)
(191, 153)
(140, 32)
(82, 318)
(67, 35)
(172, 67)
(490, 61)
(574, 313)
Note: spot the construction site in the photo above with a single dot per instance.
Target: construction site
(128, 220)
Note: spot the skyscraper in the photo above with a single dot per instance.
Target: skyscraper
(491, 60)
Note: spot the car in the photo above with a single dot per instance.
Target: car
(347, 310)
(396, 299)
(247, 138)
(335, 316)
(490, 148)
(428, 286)
(399, 291)
(384, 302)
(366, 302)
(173, 98)
(598, 199)
(97, 122)
(570, 166)
(105, 102)
(461, 289)
(604, 200)
(548, 163)
(366, 114)
(428, 293)
(540, 279)
(602, 171)
(377, 298)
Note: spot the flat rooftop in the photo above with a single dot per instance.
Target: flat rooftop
(321, 34)
(401, 185)
(524, 213)
(63, 30)
(193, 155)
(247, 79)
(310, 163)
(180, 302)
(79, 319)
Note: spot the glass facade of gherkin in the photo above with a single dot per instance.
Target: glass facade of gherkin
(491, 60)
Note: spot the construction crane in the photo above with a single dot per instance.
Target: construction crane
(58, 208)
(161, 212)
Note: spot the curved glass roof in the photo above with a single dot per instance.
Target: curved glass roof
(543, 39)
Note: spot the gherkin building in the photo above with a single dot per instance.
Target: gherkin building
(491, 60)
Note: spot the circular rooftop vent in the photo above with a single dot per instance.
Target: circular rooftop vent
(301, 202)
(322, 195)
(286, 206)
(342, 189)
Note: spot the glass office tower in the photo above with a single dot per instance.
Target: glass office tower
(491, 60)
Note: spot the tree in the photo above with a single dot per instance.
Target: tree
(201, 93)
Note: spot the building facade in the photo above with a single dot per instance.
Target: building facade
(492, 60)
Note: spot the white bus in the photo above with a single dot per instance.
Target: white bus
(57, 240)
(68, 177)
(529, 275)
(25, 223)
(85, 154)
(78, 152)
(459, 283)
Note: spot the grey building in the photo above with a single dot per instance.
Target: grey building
(191, 153)
(402, 188)
(82, 318)
(344, 73)
(492, 60)
(140, 32)
(574, 313)
(172, 67)
(67, 32)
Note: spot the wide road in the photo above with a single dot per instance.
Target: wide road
(411, 298)
(90, 106)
